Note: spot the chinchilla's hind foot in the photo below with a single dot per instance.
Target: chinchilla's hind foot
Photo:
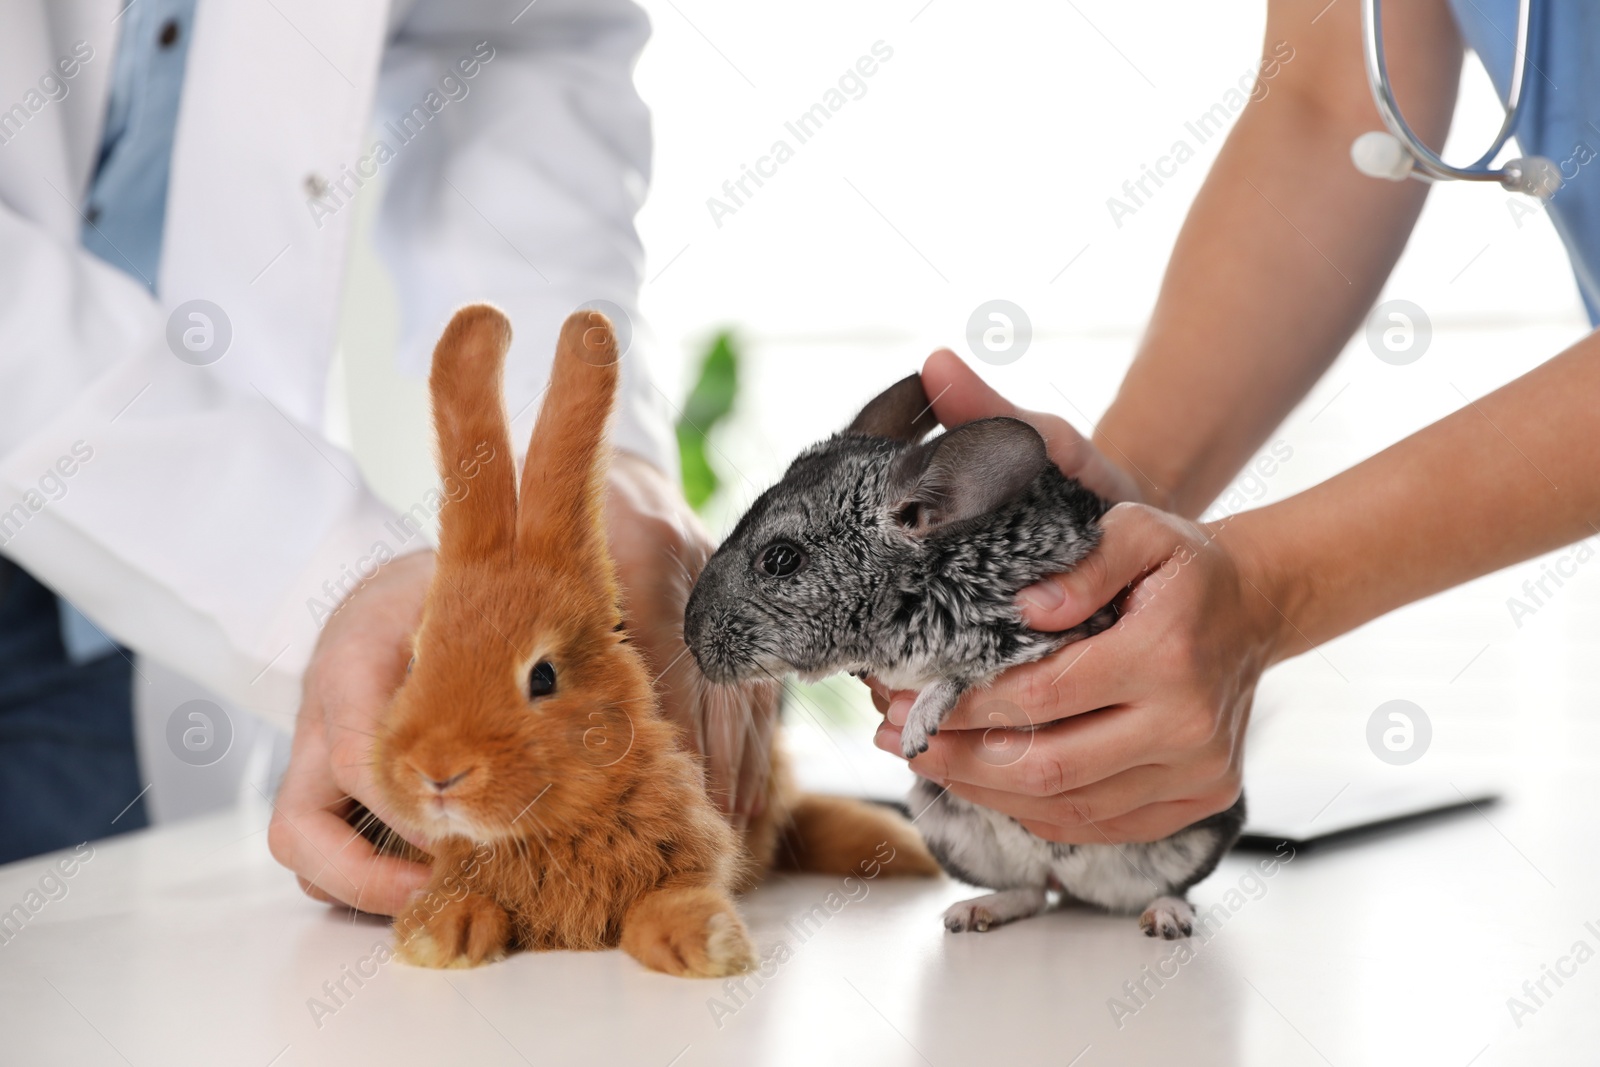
(1168, 918)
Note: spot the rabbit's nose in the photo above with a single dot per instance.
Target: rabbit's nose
(443, 785)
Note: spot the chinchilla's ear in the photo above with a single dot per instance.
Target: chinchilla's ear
(900, 413)
(966, 472)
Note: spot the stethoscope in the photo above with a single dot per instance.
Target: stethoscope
(1399, 154)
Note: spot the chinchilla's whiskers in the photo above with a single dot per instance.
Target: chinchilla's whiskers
(712, 702)
(657, 679)
(810, 712)
(732, 707)
(725, 720)
(682, 571)
(736, 751)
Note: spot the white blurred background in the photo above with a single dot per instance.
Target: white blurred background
(977, 165)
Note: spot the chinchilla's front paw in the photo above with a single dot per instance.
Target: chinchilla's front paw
(922, 722)
(914, 738)
(926, 713)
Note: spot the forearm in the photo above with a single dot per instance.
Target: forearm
(1284, 251)
(1507, 477)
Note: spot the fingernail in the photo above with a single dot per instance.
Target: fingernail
(887, 738)
(1046, 596)
(899, 711)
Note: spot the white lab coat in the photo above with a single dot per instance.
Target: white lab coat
(212, 510)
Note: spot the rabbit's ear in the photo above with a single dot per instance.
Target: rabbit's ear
(966, 472)
(900, 413)
(561, 514)
(474, 445)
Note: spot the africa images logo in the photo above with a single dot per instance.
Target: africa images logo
(1213, 122)
(803, 128)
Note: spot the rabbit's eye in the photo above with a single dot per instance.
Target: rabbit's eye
(781, 560)
(541, 680)
(412, 662)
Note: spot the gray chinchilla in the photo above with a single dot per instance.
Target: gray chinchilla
(878, 554)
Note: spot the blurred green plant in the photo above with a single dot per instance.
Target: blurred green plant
(840, 700)
(710, 401)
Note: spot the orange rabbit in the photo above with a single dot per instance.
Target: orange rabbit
(526, 744)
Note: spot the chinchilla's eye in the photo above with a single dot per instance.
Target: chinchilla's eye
(781, 560)
(541, 680)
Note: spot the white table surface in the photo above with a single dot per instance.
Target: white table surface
(188, 945)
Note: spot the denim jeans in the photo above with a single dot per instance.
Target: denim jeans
(67, 762)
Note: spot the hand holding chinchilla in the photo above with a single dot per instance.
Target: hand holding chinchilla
(880, 554)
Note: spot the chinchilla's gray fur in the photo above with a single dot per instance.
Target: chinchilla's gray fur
(911, 556)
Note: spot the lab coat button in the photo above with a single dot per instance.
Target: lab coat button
(169, 33)
(316, 186)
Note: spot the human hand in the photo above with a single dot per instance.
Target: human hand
(1141, 727)
(660, 546)
(959, 396)
(359, 662)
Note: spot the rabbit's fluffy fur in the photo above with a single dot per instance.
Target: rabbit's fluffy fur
(910, 557)
(570, 814)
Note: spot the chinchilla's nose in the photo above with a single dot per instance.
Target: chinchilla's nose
(695, 627)
(699, 635)
(696, 634)
(705, 626)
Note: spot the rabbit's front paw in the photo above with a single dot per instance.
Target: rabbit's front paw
(463, 933)
(1168, 918)
(691, 933)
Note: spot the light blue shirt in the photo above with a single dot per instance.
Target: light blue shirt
(1560, 117)
(127, 205)
(126, 209)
